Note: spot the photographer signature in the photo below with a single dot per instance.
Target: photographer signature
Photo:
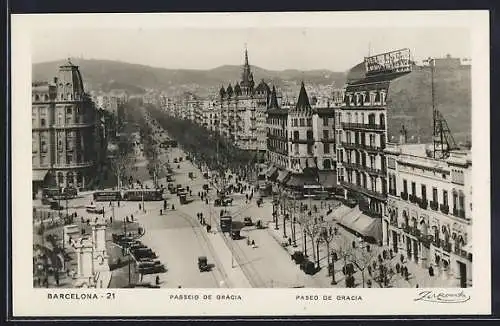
(442, 297)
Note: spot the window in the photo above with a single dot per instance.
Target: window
(405, 186)
(302, 122)
(434, 195)
(296, 149)
(325, 121)
(296, 135)
(309, 135)
(42, 122)
(326, 148)
(34, 147)
(295, 122)
(413, 189)
(325, 134)
(445, 198)
(327, 165)
(309, 122)
(424, 192)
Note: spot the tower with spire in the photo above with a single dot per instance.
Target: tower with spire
(247, 82)
(243, 110)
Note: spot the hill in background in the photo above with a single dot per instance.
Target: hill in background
(135, 78)
(410, 103)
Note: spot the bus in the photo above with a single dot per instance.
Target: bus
(107, 195)
(143, 194)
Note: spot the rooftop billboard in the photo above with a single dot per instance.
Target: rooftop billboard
(390, 62)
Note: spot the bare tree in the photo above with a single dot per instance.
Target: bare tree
(362, 258)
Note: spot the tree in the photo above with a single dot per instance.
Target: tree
(327, 235)
(362, 258)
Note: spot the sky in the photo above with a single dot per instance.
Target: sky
(274, 48)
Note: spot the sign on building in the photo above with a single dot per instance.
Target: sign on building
(395, 61)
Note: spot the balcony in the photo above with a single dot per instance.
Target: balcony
(415, 231)
(447, 246)
(327, 140)
(365, 147)
(361, 167)
(445, 209)
(301, 140)
(394, 222)
(371, 193)
(404, 195)
(362, 126)
(423, 203)
(434, 205)
(413, 199)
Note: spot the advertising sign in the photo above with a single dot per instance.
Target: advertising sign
(395, 61)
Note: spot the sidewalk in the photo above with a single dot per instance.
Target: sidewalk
(418, 275)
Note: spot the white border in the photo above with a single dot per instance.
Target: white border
(261, 302)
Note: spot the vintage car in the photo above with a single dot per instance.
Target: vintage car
(203, 264)
(248, 221)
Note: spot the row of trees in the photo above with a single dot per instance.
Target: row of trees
(206, 146)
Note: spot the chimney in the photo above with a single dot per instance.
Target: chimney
(402, 135)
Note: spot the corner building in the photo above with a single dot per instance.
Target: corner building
(243, 111)
(301, 145)
(64, 151)
(429, 210)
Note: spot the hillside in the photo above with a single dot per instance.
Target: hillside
(107, 74)
(410, 103)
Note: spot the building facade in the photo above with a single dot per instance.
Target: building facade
(301, 144)
(243, 111)
(64, 135)
(429, 210)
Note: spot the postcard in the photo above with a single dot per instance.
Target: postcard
(251, 164)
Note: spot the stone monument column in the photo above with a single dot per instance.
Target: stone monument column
(87, 263)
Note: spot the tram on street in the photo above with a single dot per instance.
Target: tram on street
(143, 194)
(107, 195)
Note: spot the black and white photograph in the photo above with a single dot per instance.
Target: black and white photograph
(262, 155)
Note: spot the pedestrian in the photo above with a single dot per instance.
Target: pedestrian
(253, 244)
(110, 204)
(111, 220)
(140, 206)
(157, 280)
(161, 211)
(173, 207)
(132, 217)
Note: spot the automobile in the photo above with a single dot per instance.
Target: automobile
(203, 264)
(175, 160)
(94, 210)
(248, 221)
(169, 178)
(191, 175)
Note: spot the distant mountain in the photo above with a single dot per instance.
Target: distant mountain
(135, 78)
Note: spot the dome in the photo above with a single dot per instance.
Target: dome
(237, 89)
(229, 90)
(262, 88)
(222, 92)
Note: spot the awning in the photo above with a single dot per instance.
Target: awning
(39, 175)
(339, 212)
(282, 176)
(363, 224)
(271, 171)
(328, 179)
(301, 180)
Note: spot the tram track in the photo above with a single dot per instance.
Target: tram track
(204, 241)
